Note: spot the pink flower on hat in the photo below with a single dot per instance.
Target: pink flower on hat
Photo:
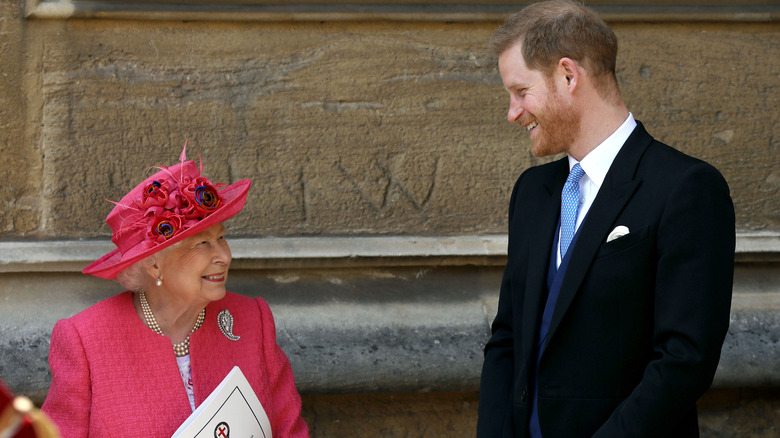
(202, 196)
(155, 194)
(166, 226)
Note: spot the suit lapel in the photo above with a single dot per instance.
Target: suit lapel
(547, 208)
(618, 188)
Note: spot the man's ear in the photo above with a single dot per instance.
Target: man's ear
(569, 73)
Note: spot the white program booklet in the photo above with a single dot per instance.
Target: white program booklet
(232, 410)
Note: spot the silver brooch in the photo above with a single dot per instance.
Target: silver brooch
(225, 323)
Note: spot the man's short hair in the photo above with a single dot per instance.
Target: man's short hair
(551, 30)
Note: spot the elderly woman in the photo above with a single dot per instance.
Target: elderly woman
(139, 363)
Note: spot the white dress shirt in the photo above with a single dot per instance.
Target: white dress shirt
(596, 165)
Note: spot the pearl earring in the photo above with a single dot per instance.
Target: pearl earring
(159, 281)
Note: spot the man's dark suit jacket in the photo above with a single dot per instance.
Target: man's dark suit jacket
(639, 323)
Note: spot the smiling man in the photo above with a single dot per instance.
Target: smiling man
(616, 294)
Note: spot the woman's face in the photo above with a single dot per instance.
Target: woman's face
(194, 270)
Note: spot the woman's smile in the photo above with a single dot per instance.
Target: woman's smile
(217, 278)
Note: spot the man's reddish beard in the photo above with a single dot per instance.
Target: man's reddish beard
(559, 125)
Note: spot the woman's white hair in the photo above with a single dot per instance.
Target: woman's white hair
(136, 277)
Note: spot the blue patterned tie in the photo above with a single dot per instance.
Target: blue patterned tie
(570, 199)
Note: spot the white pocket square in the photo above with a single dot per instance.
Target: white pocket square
(618, 232)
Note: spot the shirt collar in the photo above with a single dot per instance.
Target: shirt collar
(596, 164)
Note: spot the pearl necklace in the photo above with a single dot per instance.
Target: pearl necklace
(180, 349)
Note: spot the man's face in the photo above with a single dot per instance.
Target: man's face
(536, 104)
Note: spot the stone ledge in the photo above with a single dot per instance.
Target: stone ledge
(758, 247)
(394, 348)
(388, 11)
(331, 251)
(406, 348)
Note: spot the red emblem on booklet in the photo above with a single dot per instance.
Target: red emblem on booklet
(222, 430)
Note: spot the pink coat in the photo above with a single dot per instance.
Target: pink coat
(113, 376)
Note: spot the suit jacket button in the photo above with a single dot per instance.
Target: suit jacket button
(524, 396)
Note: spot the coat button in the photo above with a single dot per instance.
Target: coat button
(524, 396)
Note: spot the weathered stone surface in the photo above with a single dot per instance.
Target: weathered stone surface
(751, 357)
(336, 138)
(692, 87)
(387, 331)
(348, 128)
(740, 413)
(25, 363)
(392, 415)
(723, 413)
(20, 171)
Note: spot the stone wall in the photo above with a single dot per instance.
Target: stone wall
(382, 165)
(344, 127)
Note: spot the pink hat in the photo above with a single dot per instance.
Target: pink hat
(174, 203)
